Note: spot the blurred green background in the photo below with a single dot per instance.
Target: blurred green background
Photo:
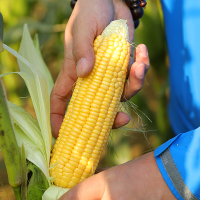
(148, 108)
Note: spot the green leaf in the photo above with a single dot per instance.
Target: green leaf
(34, 134)
(38, 183)
(23, 173)
(8, 142)
(37, 86)
(32, 54)
(46, 71)
(28, 132)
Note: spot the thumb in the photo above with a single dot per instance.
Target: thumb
(83, 53)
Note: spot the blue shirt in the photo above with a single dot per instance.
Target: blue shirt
(182, 26)
(179, 158)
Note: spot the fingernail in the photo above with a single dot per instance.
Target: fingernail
(139, 71)
(81, 66)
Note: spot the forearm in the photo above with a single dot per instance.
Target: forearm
(136, 180)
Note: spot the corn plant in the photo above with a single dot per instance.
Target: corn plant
(26, 142)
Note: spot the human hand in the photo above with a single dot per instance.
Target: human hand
(89, 18)
(138, 179)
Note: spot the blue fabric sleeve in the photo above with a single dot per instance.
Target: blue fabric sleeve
(179, 163)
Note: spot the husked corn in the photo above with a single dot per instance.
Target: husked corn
(92, 109)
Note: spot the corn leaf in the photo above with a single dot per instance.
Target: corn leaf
(38, 89)
(32, 53)
(28, 132)
(8, 144)
(35, 75)
(35, 134)
(23, 173)
(54, 193)
(37, 183)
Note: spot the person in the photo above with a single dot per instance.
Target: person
(172, 171)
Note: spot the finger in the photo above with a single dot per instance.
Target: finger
(64, 83)
(136, 72)
(84, 33)
(141, 54)
(83, 48)
(121, 119)
(60, 96)
(135, 80)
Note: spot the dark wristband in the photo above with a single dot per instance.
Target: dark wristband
(136, 7)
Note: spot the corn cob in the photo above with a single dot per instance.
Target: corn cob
(92, 109)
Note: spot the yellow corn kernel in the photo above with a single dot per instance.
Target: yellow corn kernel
(92, 109)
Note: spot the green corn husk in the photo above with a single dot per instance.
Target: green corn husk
(38, 183)
(34, 134)
(9, 146)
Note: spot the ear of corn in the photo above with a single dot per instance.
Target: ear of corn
(92, 109)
